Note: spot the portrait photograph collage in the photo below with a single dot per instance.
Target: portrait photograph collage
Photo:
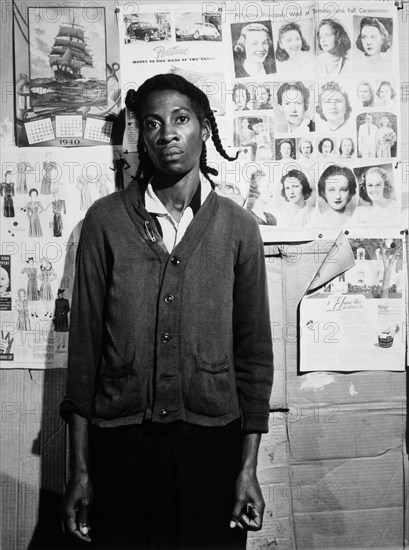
(309, 100)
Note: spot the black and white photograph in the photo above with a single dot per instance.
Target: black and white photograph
(253, 50)
(333, 47)
(373, 45)
(147, 27)
(337, 192)
(378, 205)
(295, 108)
(195, 26)
(377, 134)
(294, 48)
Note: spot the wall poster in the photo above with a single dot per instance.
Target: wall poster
(309, 95)
(66, 71)
(357, 316)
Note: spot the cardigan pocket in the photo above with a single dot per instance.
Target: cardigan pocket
(210, 389)
(118, 392)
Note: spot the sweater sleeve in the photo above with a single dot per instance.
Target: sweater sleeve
(253, 354)
(87, 317)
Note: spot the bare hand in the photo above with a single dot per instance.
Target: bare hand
(249, 506)
(75, 507)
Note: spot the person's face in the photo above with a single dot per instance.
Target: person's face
(327, 38)
(364, 93)
(293, 107)
(334, 106)
(337, 192)
(33, 195)
(371, 38)
(326, 148)
(244, 123)
(384, 122)
(346, 147)
(293, 190)
(262, 95)
(240, 98)
(4, 281)
(385, 93)
(305, 148)
(291, 42)
(22, 294)
(285, 150)
(368, 119)
(374, 186)
(172, 132)
(256, 46)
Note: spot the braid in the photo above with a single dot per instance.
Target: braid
(145, 168)
(207, 169)
(216, 138)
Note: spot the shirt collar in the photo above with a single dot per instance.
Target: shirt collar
(154, 206)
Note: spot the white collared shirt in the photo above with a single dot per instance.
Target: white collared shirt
(172, 230)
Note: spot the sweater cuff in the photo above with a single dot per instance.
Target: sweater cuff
(255, 423)
(68, 407)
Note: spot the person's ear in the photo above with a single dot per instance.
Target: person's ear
(206, 130)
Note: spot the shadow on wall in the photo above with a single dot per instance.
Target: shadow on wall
(51, 441)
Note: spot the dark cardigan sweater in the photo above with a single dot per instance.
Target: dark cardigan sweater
(169, 337)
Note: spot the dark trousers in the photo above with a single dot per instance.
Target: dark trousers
(165, 487)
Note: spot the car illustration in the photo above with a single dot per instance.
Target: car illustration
(203, 31)
(144, 30)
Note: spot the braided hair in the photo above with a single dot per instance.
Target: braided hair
(135, 99)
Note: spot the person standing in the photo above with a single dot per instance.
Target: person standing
(170, 358)
(367, 138)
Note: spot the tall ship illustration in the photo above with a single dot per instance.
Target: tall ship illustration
(70, 53)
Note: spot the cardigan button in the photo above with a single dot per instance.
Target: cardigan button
(166, 337)
(175, 260)
(164, 412)
(169, 298)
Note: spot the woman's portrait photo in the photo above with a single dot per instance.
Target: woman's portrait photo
(378, 204)
(337, 189)
(292, 114)
(241, 97)
(305, 149)
(253, 50)
(259, 199)
(293, 52)
(333, 45)
(297, 209)
(326, 148)
(365, 94)
(374, 45)
(334, 108)
(346, 148)
(284, 148)
(385, 94)
(262, 97)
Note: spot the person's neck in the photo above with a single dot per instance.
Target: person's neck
(299, 205)
(335, 124)
(175, 193)
(252, 67)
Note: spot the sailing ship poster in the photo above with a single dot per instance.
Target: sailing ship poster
(67, 75)
(67, 57)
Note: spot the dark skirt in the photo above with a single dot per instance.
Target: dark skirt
(165, 487)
